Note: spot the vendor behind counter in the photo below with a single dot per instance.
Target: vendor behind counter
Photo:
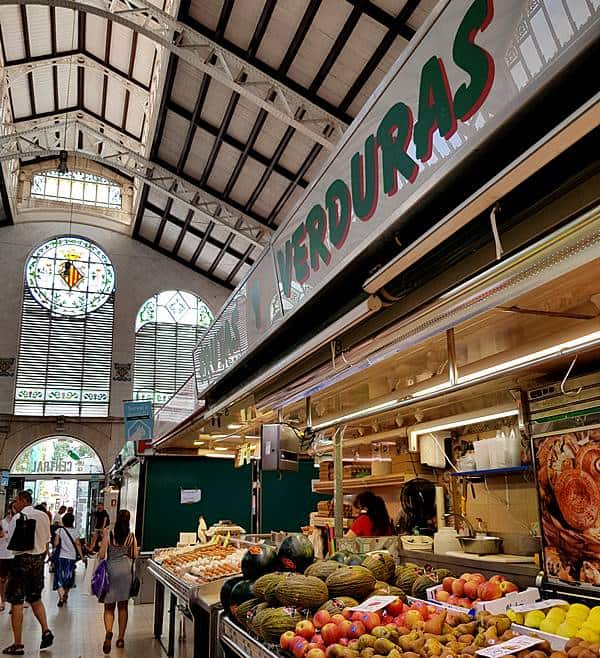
(373, 519)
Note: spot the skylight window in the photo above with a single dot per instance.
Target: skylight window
(76, 187)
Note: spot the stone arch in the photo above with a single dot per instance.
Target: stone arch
(61, 435)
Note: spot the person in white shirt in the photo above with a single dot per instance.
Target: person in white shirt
(57, 519)
(26, 576)
(68, 546)
(6, 556)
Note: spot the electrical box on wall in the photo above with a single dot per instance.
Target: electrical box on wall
(279, 448)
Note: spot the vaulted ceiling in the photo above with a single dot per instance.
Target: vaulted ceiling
(220, 111)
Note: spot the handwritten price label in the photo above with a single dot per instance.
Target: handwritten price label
(519, 643)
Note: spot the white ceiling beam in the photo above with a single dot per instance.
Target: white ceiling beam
(14, 72)
(48, 137)
(200, 52)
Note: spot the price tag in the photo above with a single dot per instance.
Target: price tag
(374, 604)
(519, 643)
(540, 605)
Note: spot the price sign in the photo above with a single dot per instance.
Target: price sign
(374, 603)
(519, 643)
(540, 605)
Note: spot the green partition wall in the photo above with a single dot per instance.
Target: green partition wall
(226, 494)
(287, 499)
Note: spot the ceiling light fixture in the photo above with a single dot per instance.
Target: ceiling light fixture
(234, 426)
(357, 414)
(199, 443)
(221, 448)
(218, 455)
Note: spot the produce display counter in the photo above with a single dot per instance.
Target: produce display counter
(235, 641)
(199, 603)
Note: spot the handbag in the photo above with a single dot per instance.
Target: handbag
(134, 590)
(23, 537)
(100, 581)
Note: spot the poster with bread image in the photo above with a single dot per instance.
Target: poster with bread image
(568, 477)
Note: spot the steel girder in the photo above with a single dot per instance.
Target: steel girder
(14, 72)
(47, 137)
(210, 58)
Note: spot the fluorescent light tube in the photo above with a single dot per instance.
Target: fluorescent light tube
(355, 414)
(218, 455)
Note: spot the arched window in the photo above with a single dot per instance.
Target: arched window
(167, 328)
(76, 187)
(65, 345)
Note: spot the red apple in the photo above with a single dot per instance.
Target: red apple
(458, 587)
(395, 608)
(356, 630)
(489, 591)
(466, 576)
(470, 589)
(344, 641)
(386, 619)
(477, 577)
(452, 600)
(347, 613)
(369, 619)
(331, 633)
(320, 618)
(286, 639)
(315, 652)
(334, 651)
(497, 579)
(318, 640)
(507, 587)
(305, 629)
(298, 647)
(465, 602)
(345, 627)
(338, 618)
(442, 595)
(447, 584)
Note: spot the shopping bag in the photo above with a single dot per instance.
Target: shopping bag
(23, 537)
(100, 581)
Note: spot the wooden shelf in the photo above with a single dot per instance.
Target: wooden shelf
(492, 471)
(363, 483)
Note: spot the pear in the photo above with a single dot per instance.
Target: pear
(433, 647)
(383, 646)
(366, 641)
(435, 624)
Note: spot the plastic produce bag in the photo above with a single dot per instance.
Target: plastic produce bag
(100, 581)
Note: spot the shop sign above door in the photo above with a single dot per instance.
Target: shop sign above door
(467, 72)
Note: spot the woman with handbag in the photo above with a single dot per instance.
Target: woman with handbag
(67, 550)
(119, 549)
(6, 556)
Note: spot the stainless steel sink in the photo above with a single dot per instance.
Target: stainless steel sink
(484, 545)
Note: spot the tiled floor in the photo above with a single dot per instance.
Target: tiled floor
(79, 630)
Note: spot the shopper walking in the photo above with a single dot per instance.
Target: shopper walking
(66, 542)
(26, 575)
(119, 549)
(100, 520)
(6, 556)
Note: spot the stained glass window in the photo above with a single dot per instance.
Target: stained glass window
(76, 187)
(167, 328)
(65, 347)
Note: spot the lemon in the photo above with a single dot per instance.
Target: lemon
(567, 630)
(592, 625)
(587, 635)
(574, 621)
(516, 617)
(549, 626)
(595, 612)
(579, 610)
(557, 613)
(534, 618)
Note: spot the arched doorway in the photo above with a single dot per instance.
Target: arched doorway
(60, 470)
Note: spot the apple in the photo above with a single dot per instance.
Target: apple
(497, 579)
(507, 587)
(369, 620)
(318, 640)
(413, 617)
(447, 584)
(354, 645)
(315, 652)
(320, 618)
(331, 633)
(387, 619)
(452, 600)
(442, 595)
(395, 608)
(347, 613)
(298, 647)
(335, 651)
(286, 639)
(338, 618)
(458, 587)
(464, 602)
(356, 630)
(344, 641)
(470, 589)
(305, 629)
(345, 627)
(477, 577)
(489, 591)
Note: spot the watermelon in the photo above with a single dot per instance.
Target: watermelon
(240, 592)
(296, 553)
(259, 560)
(228, 585)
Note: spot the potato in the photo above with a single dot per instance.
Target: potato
(574, 652)
(573, 642)
(545, 647)
(586, 653)
(558, 654)
(537, 654)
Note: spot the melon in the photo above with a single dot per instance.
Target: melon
(241, 591)
(323, 568)
(275, 621)
(302, 592)
(225, 594)
(356, 582)
(333, 606)
(259, 560)
(420, 586)
(381, 564)
(296, 553)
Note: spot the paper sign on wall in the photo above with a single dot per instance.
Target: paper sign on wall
(190, 496)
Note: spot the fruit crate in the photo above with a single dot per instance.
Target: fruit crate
(497, 606)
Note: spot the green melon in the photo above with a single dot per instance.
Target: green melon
(420, 586)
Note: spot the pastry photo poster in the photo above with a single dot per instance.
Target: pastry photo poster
(568, 477)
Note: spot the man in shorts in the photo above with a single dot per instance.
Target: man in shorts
(26, 577)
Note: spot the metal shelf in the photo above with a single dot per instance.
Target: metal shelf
(493, 471)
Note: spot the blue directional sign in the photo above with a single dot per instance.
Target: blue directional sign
(139, 420)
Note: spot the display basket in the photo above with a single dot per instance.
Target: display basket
(367, 544)
(497, 606)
